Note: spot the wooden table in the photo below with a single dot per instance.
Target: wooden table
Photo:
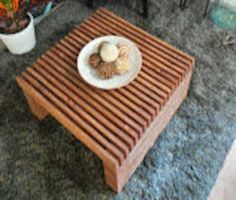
(119, 126)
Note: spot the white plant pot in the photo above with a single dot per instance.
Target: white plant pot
(21, 42)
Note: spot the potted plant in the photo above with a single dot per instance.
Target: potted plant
(17, 25)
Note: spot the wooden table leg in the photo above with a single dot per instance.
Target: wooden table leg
(36, 109)
(111, 177)
(116, 176)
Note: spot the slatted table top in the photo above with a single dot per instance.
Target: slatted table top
(110, 123)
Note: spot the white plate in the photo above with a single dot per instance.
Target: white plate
(89, 74)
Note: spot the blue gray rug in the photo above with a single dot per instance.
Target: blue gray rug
(40, 160)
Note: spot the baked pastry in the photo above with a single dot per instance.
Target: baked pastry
(123, 49)
(106, 70)
(101, 44)
(109, 52)
(94, 60)
(122, 65)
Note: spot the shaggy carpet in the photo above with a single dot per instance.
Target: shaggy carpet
(40, 160)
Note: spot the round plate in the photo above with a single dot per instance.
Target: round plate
(89, 74)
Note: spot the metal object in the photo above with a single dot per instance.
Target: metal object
(183, 3)
(90, 3)
(145, 8)
(144, 5)
(206, 8)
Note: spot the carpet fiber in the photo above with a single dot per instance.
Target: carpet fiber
(40, 160)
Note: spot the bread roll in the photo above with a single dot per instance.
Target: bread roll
(109, 52)
(94, 60)
(106, 70)
(123, 49)
(122, 65)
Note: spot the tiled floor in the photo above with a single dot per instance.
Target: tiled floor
(225, 187)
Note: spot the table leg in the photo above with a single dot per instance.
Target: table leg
(36, 109)
(112, 177)
(116, 176)
(145, 8)
(206, 8)
(90, 3)
(182, 4)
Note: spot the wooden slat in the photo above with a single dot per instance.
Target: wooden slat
(113, 124)
(133, 90)
(80, 107)
(157, 92)
(152, 39)
(67, 122)
(83, 87)
(89, 90)
(82, 33)
(87, 103)
(137, 109)
(103, 16)
(66, 109)
(113, 120)
(107, 25)
(137, 87)
(159, 84)
(163, 84)
(116, 94)
(94, 92)
(141, 103)
(112, 99)
(74, 76)
(157, 105)
(174, 77)
(97, 27)
(92, 106)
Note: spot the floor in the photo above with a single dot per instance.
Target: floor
(225, 187)
(40, 160)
